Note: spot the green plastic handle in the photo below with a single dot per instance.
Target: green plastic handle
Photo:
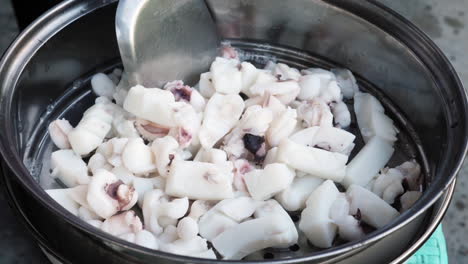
(434, 251)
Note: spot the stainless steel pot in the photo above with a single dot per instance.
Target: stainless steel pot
(417, 84)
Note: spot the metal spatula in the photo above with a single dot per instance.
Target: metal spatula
(165, 40)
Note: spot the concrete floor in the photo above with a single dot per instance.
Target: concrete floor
(443, 21)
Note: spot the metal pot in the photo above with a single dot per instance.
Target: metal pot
(47, 62)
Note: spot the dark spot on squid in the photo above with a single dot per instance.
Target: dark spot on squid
(324, 147)
(111, 189)
(183, 93)
(209, 178)
(358, 215)
(171, 158)
(252, 142)
(243, 96)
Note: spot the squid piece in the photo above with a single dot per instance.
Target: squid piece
(411, 171)
(190, 247)
(264, 184)
(392, 191)
(313, 83)
(374, 211)
(341, 114)
(249, 76)
(315, 113)
(102, 85)
(199, 180)
(332, 93)
(123, 124)
(107, 195)
(165, 151)
(158, 211)
(143, 185)
(267, 101)
(205, 85)
(346, 82)
(112, 150)
(86, 214)
(311, 160)
(284, 73)
(256, 120)
(187, 94)
(213, 223)
(408, 199)
(284, 91)
(226, 214)
(98, 161)
(315, 221)
(281, 127)
(92, 129)
(95, 223)
(226, 76)
(327, 138)
(221, 114)
(79, 194)
(248, 134)
(319, 83)
(69, 168)
(58, 131)
(124, 223)
(186, 124)
(187, 228)
(153, 104)
(199, 208)
(348, 226)
(238, 209)
(150, 131)
(62, 197)
(138, 157)
(241, 168)
(367, 163)
(215, 156)
(388, 185)
(146, 239)
(272, 227)
(371, 118)
(123, 174)
(294, 197)
(169, 235)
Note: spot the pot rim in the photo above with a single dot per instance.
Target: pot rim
(22, 50)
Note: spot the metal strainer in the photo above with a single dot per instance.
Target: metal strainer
(45, 74)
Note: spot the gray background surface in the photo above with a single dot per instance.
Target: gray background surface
(443, 21)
